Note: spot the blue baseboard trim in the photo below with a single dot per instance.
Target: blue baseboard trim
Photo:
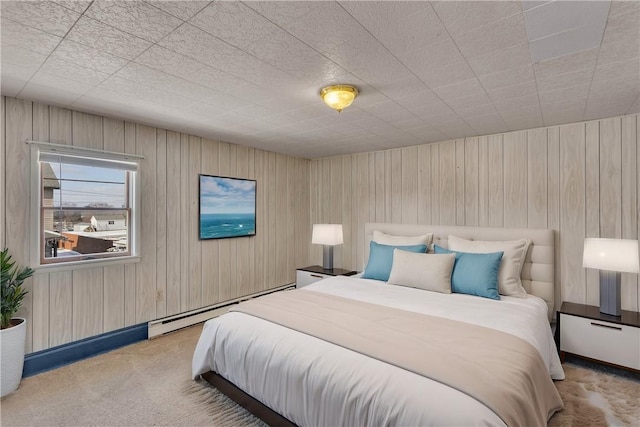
(45, 360)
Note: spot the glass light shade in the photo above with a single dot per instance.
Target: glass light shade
(611, 254)
(327, 234)
(339, 97)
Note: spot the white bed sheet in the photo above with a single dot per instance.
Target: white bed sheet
(312, 382)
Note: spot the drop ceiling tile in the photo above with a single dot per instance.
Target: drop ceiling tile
(434, 55)
(607, 106)
(623, 7)
(399, 26)
(88, 57)
(625, 23)
(71, 71)
(509, 77)
(134, 17)
(73, 86)
(169, 62)
(16, 34)
(525, 122)
(408, 123)
(216, 79)
(619, 47)
(27, 60)
(487, 124)
(234, 22)
(76, 5)
(43, 15)
(400, 87)
(437, 76)
(99, 36)
(522, 105)
(629, 69)
(435, 113)
(460, 17)
(156, 79)
(180, 9)
(194, 43)
(558, 16)
(226, 101)
(635, 108)
(284, 13)
(566, 64)
(576, 92)
(568, 42)
(474, 111)
(468, 101)
(454, 131)
(516, 91)
(561, 81)
(510, 57)
(462, 89)
(562, 117)
(123, 86)
(529, 4)
(277, 50)
(10, 85)
(53, 95)
(498, 35)
(419, 99)
(618, 88)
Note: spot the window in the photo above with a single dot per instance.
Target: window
(86, 204)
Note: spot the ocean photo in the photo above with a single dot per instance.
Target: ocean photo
(215, 226)
(227, 207)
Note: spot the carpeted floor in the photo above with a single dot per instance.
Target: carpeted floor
(149, 384)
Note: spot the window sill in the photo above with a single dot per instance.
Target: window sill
(79, 265)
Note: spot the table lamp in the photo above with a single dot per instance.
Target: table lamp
(611, 257)
(328, 235)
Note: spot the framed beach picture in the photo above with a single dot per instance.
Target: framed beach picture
(227, 207)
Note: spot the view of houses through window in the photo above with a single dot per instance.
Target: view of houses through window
(85, 210)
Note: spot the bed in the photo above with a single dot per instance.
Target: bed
(308, 378)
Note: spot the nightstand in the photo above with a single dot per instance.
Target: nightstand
(308, 275)
(585, 332)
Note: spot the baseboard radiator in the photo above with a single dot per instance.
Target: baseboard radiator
(173, 323)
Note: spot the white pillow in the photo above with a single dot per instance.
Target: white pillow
(431, 272)
(388, 239)
(515, 252)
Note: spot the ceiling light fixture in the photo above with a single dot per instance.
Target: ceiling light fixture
(338, 97)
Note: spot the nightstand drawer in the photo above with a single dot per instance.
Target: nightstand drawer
(304, 278)
(605, 341)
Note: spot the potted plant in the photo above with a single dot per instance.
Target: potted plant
(12, 330)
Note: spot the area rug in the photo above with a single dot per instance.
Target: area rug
(149, 384)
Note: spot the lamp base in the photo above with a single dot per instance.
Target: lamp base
(610, 293)
(327, 257)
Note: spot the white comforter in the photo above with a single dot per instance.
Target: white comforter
(312, 382)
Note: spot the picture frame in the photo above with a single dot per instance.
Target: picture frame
(227, 207)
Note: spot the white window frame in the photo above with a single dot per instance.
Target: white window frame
(35, 235)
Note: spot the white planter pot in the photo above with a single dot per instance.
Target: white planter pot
(12, 342)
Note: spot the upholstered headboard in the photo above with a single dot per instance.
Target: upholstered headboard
(538, 270)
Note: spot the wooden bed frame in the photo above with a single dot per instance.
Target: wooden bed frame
(538, 281)
(245, 400)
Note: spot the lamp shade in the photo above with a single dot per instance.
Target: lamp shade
(327, 234)
(611, 254)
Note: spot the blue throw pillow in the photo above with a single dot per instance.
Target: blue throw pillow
(381, 259)
(474, 274)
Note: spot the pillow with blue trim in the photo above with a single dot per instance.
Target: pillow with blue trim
(474, 274)
(381, 259)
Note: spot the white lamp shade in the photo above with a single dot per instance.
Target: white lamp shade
(611, 254)
(327, 234)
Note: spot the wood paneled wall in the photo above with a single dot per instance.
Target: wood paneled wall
(579, 179)
(177, 272)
